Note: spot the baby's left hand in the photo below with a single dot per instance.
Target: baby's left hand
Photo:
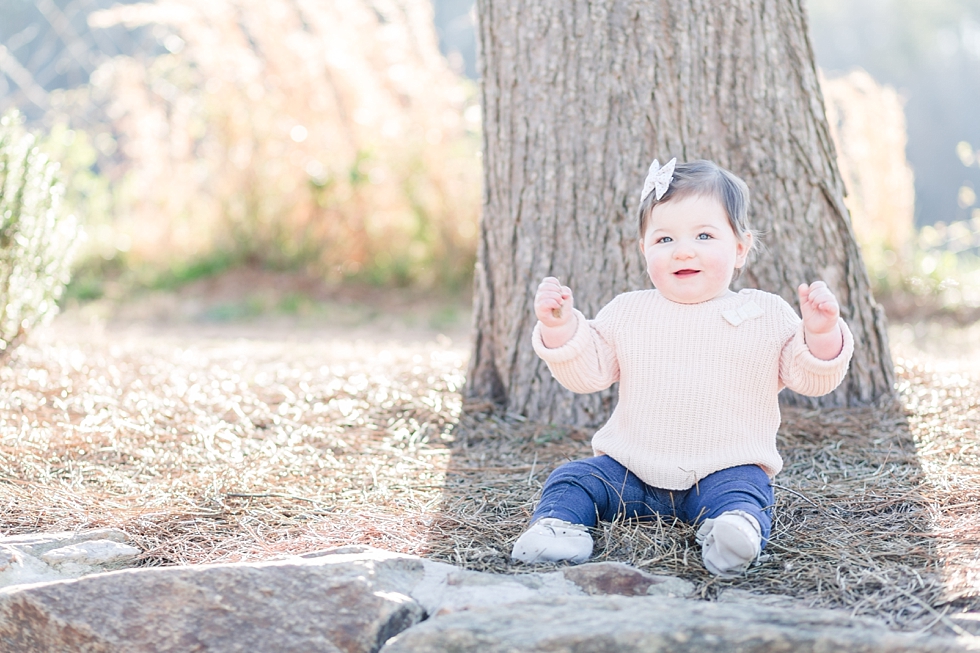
(821, 314)
(819, 308)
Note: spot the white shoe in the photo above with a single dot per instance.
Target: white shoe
(730, 542)
(552, 540)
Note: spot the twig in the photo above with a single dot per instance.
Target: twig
(534, 463)
(802, 496)
(278, 495)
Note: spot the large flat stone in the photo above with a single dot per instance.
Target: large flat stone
(349, 599)
(353, 600)
(349, 604)
(615, 624)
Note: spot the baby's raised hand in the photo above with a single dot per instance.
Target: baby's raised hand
(821, 312)
(553, 303)
(819, 307)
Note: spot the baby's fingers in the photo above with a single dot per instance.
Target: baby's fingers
(565, 298)
(548, 299)
(822, 296)
(803, 291)
(549, 283)
(815, 293)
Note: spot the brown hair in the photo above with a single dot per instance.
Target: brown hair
(705, 178)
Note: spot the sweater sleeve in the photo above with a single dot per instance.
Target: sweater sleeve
(802, 372)
(587, 362)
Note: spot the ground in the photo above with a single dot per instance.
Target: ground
(237, 421)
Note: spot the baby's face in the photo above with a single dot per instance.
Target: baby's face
(691, 250)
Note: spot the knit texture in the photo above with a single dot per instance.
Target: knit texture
(698, 383)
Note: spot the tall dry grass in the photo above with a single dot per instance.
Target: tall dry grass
(867, 123)
(916, 271)
(292, 133)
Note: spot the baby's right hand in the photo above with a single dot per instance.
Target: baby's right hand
(553, 303)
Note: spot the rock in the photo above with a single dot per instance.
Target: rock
(616, 624)
(350, 599)
(446, 589)
(442, 591)
(339, 603)
(968, 622)
(735, 595)
(606, 578)
(37, 544)
(8, 558)
(19, 568)
(95, 553)
(46, 557)
(357, 599)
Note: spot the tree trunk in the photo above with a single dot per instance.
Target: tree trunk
(578, 98)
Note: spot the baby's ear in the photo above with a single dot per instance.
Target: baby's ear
(742, 248)
(643, 249)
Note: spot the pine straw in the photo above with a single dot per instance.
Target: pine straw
(215, 448)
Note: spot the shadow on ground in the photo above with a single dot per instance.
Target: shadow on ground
(853, 526)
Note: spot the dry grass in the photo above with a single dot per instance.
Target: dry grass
(856, 517)
(214, 447)
(243, 443)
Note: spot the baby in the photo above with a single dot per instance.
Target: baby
(699, 367)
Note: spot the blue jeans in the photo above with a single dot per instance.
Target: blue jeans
(586, 491)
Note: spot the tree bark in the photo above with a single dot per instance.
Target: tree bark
(578, 98)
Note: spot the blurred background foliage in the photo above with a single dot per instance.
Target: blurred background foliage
(37, 237)
(329, 137)
(340, 138)
(925, 54)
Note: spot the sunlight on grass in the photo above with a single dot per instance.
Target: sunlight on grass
(940, 390)
(208, 446)
(164, 437)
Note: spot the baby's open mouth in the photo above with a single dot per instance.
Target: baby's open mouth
(686, 273)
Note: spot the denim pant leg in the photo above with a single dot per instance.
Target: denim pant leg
(585, 491)
(745, 487)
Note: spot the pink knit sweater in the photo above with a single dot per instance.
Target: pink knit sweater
(698, 383)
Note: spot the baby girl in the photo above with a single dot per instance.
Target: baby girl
(699, 367)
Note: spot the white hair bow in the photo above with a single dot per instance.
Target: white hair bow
(658, 178)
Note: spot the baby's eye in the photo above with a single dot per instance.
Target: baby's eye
(704, 236)
(665, 239)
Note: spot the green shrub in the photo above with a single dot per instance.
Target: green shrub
(36, 238)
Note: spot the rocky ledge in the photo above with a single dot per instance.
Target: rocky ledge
(366, 600)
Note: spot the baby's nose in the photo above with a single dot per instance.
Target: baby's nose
(683, 252)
